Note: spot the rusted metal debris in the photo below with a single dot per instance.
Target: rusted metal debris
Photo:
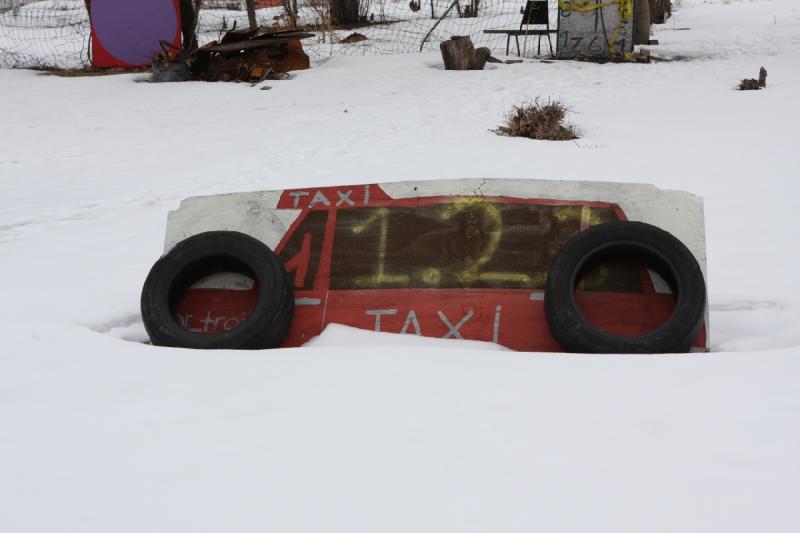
(241, 55)
(354, 37)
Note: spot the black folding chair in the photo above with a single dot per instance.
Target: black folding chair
(535, 13)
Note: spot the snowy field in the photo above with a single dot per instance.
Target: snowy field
(364, 432)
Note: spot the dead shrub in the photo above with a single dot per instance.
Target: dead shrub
(749, 85)
(536, 120)
(753, 84)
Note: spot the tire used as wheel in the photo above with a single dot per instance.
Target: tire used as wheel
(654, 248)
(209, 253)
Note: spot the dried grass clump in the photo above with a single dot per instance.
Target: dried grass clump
(535, 120)
(749, 85)
(755, 85)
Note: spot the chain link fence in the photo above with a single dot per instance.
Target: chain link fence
(44, 33)
(56, 33)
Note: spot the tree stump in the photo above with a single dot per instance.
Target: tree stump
(459, 53)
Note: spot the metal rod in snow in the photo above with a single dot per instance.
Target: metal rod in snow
(455, 3)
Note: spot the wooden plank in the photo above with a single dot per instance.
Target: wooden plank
(521, 32)
(255, 44)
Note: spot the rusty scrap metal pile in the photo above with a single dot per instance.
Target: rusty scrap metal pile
(241, 55)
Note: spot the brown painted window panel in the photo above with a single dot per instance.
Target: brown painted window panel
(463, 244)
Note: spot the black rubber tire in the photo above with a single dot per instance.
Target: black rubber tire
(649, 245)
(207, 253)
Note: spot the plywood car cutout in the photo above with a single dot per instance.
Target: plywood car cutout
(530, 265)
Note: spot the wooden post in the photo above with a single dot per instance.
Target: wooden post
(189, 14)
(251, 13)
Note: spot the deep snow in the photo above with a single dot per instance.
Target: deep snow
(363, 432)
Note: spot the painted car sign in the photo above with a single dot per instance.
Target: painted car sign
(452, 259)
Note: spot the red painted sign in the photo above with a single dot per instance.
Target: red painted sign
(471, 267)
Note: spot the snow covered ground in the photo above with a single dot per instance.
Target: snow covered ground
(363, 432)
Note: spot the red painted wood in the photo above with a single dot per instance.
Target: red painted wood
(210, 311)
(519, 323)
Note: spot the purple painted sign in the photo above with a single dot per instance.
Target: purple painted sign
(130, 30)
